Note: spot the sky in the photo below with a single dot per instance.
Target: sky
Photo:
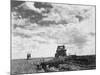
(39, 27)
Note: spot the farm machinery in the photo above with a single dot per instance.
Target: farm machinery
(54, 63)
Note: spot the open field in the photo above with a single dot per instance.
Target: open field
(71, 63)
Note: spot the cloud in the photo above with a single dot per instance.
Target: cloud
(42, 5)
(92, 33)
(78, 39)
(15, 3)
(46, 23)
(72, 37)
(24, 44)
(69, 15)
(39, 27)
(67, 35)
(21, 35)
(27, 11)
(33, 12)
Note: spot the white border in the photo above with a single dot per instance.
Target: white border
(5, 36)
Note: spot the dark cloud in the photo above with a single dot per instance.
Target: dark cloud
(27, 13)
(62, 22)
(42, 5)
(15, 3)
(32, 15)
(21, 35)
(50, 23)
(92, 33)
(36, 18)
(80, 18)
(46, 23)
(20, 26)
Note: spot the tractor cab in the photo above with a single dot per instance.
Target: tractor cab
(61, 51)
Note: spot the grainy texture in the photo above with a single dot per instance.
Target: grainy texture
(52, 37)
(23, 66)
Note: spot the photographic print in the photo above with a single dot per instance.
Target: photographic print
(52, 37)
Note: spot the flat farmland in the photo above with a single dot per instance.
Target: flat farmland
(24, 66)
